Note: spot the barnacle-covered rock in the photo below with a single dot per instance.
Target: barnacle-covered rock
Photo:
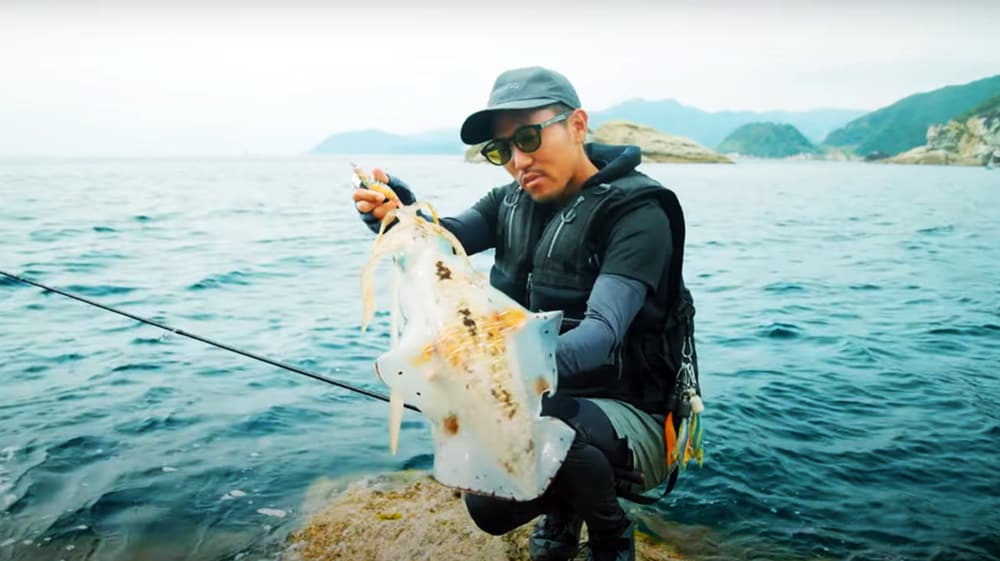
(407, 515)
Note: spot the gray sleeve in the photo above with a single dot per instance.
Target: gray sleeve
(613, 304)
(472, 229)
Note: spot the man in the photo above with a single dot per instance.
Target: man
(578, 230)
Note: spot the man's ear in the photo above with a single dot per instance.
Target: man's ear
(578, 124)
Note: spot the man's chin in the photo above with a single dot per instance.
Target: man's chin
(542, 197)
(542, 193)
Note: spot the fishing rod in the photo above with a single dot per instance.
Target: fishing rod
(208, 341)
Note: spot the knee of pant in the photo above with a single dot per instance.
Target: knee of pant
(488, 514)
(494, 529)
(583, 458)
(564, 408)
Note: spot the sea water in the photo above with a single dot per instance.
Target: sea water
(848, 329)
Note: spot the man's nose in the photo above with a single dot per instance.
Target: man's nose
(520, 159)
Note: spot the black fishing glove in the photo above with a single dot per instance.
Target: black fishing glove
(402, 191)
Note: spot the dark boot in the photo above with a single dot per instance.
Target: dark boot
(556, 537)
(615, 547)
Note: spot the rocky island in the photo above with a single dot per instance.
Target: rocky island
(767, 140)
(971, 139)
(656, 146)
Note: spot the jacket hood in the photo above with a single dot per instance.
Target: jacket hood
(612, 161)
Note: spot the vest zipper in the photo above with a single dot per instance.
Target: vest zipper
(563, 220)
(510, 218)
(555, 236)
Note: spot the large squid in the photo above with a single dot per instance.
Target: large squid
(475, 362)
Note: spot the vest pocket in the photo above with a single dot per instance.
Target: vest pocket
(507, 284)
(549, 297)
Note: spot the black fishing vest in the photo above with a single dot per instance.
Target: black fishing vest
(549, 260)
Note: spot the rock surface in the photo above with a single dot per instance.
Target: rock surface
(410, 516)
(656, 146)
(971, 143)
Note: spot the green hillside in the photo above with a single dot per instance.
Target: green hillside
(903, 125)
(766, 140)
(987, 109)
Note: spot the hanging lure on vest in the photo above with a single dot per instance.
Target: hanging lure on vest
(684, 442)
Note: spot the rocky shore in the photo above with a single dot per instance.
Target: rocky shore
(973, 142)
(657, 146)
(410, 516)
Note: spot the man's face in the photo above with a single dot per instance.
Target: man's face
(545, 172)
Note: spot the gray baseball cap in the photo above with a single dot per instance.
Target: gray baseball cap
(520, 88)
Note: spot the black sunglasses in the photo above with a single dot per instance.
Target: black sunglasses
(527, 138)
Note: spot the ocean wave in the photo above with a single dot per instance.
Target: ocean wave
(232, 278)
(277, 419)
(138, 367)
(937, 230)
(981, 330)
(784, 287)
(780, 330)
(156, 423)
(99, 290)
(54, 235)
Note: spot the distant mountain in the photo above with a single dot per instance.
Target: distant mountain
(903, 125)
(442, 141)
(767, 140)
(710, 128)
(668, 116)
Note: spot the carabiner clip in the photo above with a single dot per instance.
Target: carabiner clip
(687, 349)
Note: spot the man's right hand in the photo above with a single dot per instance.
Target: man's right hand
(374, 205)
(372, 202)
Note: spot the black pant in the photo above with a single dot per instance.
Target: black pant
(584, 484)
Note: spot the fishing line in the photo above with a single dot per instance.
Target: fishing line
(210, 342)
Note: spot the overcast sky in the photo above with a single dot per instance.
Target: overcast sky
(219, 78)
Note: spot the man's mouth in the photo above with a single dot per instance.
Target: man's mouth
(529, 178)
